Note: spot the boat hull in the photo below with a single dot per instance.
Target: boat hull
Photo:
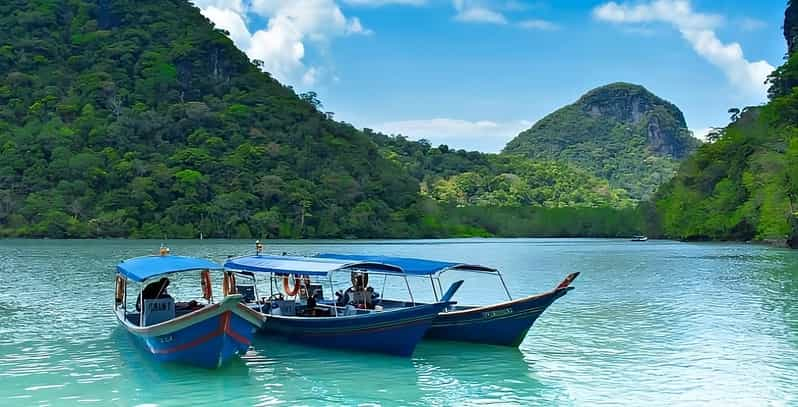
(394, 332)
(207, 338)
(504, 324)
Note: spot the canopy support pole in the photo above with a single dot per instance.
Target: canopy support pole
(141, 312)
(434, 291)
(410, 291)
(332, 292)
(498, 273)
(257, 297)
(382, 292)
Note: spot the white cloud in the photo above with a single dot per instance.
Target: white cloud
(472, 11)
(702, 133)
(310, 76)
(236, 6)
(483, 135)
(292, 24)
(677, 12)
(480, 15)
(541, 25)
(751, 24)
(232, 22)
(499, 12)
(378, 3)
(355, 27)
(699, 30)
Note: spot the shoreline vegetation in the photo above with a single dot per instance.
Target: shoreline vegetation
(437, 222)
(743, 184)
(116, 122)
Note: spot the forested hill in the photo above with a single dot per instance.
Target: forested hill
(620, 132)
(744, 184)
(138, 118)
(124, 118)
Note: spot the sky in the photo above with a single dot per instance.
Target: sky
(472, 74)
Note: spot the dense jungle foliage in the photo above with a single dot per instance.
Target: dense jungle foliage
(744, 184)
(620, 132)
(532, 222)
(117, 121)
(460, 178)
(123, 118)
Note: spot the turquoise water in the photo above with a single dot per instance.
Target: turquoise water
(649, 323)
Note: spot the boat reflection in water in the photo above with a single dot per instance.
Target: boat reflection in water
(439, 373)
(287, 372)
(461, 373)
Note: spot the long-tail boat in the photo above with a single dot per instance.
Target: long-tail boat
(200, 332)
(352, 321)
(504, 323)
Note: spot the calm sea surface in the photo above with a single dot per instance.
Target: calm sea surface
(656, 323)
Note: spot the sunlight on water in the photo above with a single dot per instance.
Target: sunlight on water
(648, 323)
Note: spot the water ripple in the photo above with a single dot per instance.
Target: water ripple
(656, 323)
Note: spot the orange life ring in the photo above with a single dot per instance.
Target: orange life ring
(229, 284)
(299, 281)
(207, 290)
(120, 289)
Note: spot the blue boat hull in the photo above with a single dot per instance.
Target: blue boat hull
(394, 332)
(207, 338)
(503, 324)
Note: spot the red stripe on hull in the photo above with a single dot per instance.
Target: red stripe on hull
(229, 331)
(224, 328)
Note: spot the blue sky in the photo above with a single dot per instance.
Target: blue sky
(473, 73)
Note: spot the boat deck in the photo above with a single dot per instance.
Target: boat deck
(135, 317)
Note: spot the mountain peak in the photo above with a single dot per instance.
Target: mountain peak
(621, 131)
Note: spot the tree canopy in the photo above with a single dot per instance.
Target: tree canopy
(123, 118)
(744, 184)
(116, 121)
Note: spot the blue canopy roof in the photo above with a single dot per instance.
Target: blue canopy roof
(303, 265)
(143, 268)
(409, 265)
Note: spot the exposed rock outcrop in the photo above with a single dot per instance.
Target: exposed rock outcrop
(791, 27)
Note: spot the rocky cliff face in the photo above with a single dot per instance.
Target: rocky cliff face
(623, 102)
(634, 105)
(791, 27)
(784, 79)
(621, 131)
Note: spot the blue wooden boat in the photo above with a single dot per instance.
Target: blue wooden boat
(303, 314)
(505, 323)
(202, 333)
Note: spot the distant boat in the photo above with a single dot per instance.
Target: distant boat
(354, 320)
(202, 334)
(505, 323)
(639, 238)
